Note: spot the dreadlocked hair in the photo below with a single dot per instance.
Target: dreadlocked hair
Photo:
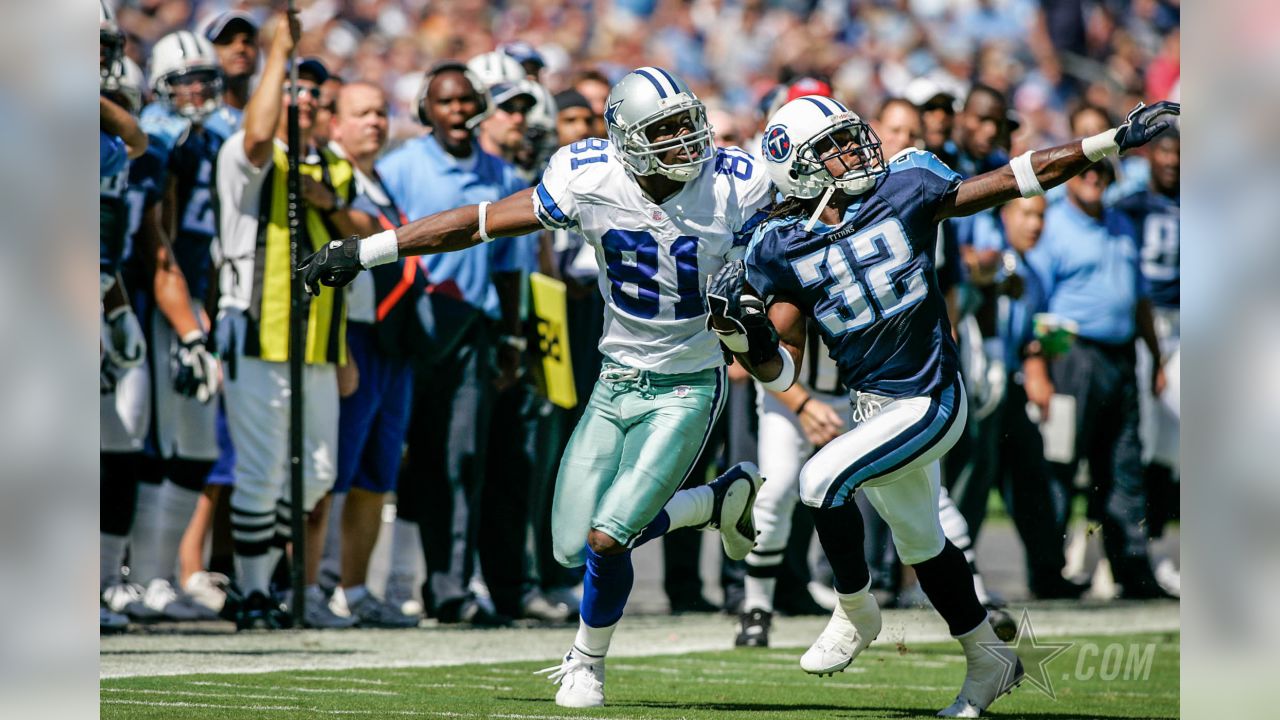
(789, 206)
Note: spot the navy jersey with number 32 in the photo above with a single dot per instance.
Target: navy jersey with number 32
(869, 282)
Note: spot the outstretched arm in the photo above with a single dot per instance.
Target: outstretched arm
(337, 263)
(459, 228)
(1032, 173)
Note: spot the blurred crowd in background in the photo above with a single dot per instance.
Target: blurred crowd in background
(975, 81)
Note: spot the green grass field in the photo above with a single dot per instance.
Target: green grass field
(886, 682)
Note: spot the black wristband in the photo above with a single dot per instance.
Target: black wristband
(800, 407)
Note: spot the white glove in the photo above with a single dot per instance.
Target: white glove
(195, 369)
(122, 338)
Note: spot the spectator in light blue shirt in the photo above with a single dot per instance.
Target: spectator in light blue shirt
(476, 297)
(1088, 260)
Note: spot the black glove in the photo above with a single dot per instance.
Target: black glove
(727, 298)
(195, 371)
(336, 265)
(1145, 122)
(724, 294)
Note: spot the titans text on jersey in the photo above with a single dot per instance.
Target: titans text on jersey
(870, 281)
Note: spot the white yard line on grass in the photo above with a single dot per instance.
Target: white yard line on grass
(139, 654)
(323, 711)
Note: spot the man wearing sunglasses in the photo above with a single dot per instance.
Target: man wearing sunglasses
(253, 323)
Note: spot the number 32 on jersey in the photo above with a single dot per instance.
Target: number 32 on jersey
(882, 291)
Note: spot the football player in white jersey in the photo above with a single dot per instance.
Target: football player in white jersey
(663, 210)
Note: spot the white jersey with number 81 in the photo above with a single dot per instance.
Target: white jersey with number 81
(655, 258)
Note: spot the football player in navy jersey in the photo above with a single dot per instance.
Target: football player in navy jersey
(187, 84)
(852, 246)
(1155, 213)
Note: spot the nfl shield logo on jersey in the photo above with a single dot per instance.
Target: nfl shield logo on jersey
(776, 143)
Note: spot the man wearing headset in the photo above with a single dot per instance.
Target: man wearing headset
(443, 479)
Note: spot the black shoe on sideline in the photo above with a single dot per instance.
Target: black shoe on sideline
(753, 629)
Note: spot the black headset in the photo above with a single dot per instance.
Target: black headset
(451, 66)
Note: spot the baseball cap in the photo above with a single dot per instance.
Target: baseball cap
(807, 86)
(221, 26)
(523, 52)
(502, 92)
(929, 95)
(313, 67)
(571, 99)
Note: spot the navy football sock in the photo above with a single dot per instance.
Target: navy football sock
(605, 587)
(946, 580)
(840, 532)
(655, 529)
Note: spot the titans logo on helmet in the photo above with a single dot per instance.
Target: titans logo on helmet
(776, 143)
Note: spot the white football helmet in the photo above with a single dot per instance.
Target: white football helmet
(811, 130)
(181, 58)
(110, 48)
(132, 86)
(644, 97)
(496, 67)
(540, 123)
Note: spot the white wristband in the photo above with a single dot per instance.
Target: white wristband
(1099, 146)
(484, 214)
(379, 249)
(1028, 183)
(785, 378)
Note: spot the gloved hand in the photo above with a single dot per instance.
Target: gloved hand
(122, 338)
(195, 369)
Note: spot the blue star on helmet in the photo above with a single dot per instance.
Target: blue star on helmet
(611, 112)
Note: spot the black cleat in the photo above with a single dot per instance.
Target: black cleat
(259, 612)
(753, 630)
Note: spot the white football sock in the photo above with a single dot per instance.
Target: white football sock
(758, 593)
(406, 548)
(691, 507)
(331, 560)
(176, 505)
(253, 572)
(144, 538)
(594, 641)
(110, 558)
(861, 607)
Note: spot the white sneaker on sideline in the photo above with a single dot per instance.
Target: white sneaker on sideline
(164, 602)
(208, 589)
(581, 680)
(119, 596)
(369, 611)
(839, 643)
(317, 613)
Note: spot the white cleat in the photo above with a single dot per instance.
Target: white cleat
(841, 642)
(121, 595)
(735, 496)
(163, 602)
(207, 588)
(581, 680)
(988, 678)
